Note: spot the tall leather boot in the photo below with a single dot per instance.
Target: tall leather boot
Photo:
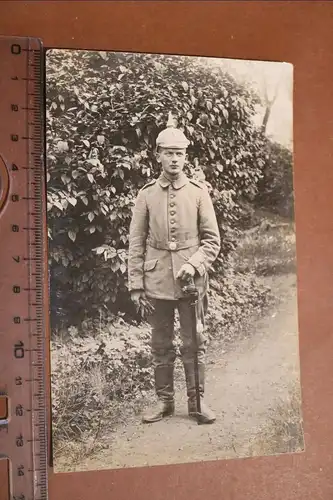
(165, 392)
(207, 416)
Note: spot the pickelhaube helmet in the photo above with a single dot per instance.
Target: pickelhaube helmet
(171, 137)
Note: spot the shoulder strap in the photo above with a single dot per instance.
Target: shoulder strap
(151, 183)
(197, 183)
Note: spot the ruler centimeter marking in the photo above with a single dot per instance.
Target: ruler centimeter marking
(23, 431)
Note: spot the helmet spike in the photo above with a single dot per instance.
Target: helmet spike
(171, 121)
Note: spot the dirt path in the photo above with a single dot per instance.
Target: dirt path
(242, 386)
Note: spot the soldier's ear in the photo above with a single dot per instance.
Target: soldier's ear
(158, 155)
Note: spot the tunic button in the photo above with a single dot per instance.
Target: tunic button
(172, 221)
(173, 238)
(172, 212)
(173, 229)
(172, 245)
(172, 195)
(172, 204)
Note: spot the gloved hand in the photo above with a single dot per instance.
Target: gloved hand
(142, 305)
(186, 272)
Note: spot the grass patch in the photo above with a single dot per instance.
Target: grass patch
(268, 249)
(283, 431)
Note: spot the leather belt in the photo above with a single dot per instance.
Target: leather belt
(173, 244)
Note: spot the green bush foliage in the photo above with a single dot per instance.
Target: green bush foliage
(94, 370)
(234, 301)
(275, 188)
(104, 111)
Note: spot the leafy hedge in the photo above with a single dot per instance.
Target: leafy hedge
(275, 188)
(94, 370)
(104, 111)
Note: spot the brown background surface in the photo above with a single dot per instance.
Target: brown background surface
(297, 32)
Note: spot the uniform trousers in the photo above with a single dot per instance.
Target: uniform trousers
(162, 322)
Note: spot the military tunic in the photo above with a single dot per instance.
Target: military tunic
(173, 223)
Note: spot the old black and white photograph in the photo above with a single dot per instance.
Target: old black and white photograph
(172, 259)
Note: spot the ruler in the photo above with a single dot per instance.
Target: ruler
(23, 354)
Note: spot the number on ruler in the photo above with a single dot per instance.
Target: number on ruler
(19, 441)
(14, 167)
(19, 411)
(20, 470)
(19, 350)
(15, 228)
(15, 197)
(14, 107)
(18, 381)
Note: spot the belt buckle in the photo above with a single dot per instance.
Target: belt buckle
(172, 245)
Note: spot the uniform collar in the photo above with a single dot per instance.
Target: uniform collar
(181, 181)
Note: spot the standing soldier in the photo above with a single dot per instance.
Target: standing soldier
(174, 237)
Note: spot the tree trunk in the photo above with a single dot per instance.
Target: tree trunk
(266, 117)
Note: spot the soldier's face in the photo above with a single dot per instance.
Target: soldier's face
(172, 160)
